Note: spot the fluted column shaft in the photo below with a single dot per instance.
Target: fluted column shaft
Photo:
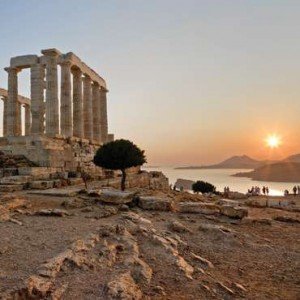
(13, 114)
(103, 115)
(96, 112)
(27, 120)
(4, 116)
(87, 108)
(37, 74)
(66, 101)
(52, 116)
(77, 104)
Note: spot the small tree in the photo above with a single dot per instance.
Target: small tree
(203, 187)
(119, 155)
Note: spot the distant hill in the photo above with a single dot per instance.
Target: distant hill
(234, 162)
(284, 171)
(293, 158)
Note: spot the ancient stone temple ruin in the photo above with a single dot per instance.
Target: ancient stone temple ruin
(63, 125)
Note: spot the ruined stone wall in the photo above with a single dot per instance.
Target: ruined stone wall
(143, 179)
(70, 155)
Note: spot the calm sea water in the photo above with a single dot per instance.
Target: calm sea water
(221, 178)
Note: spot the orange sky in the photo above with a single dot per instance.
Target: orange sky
(191, 82)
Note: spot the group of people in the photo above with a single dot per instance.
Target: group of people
(296, 190)
(255, 190)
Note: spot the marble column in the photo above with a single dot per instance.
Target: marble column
(77, 103)
(12, 113)
(87, 108)
(37, 74)
(103, 115)
(52, 115)
(4, 116)
(66, 128)
(27, 120)
(96, 112)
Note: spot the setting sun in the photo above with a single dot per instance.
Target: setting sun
(273, 141)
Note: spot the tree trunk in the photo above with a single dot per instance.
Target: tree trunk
(123, 180)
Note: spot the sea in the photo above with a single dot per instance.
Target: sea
(222, 177)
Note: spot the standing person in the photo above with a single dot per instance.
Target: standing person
(295, 190)
(264, 190)
(298, 187)
(267, 190)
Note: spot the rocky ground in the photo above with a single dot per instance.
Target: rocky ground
(150, 245)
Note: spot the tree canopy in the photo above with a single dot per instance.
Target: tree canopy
(119, 155)
(203, 187)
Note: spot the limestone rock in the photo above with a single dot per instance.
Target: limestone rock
(262, 221)
(155, 203)
(258, 202)
(52, 212)
(228, 202)
(39, 286)
(123, 288)
(287, 219)
(116, 197)
(198, 208)
(178, 227)
(234, 212)
(202, 260)
(41, 185)
(236, 195)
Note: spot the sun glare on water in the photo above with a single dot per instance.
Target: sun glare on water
(273, 141)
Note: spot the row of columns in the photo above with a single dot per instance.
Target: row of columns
(19, 123)
(89, 116)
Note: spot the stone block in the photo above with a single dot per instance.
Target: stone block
(228, 202)
(198, 208)
(23, 61)
(41, 185)
(234, 212)
(11, 188)
(155, 203)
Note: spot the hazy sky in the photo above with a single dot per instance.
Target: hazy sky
(191, 82)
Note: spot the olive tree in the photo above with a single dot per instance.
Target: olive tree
(203, 187)
(119, 155)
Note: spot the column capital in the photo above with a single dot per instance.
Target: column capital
(76, 71)
(51, 52)
(87, 78)
(66, 63)
(103, 89)
(12, 70)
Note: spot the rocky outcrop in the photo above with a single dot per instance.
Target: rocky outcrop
(198, 208)
(234, 212)
(155, 203)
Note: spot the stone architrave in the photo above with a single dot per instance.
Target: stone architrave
(66, 123)
(77, 103)
(87, 108)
